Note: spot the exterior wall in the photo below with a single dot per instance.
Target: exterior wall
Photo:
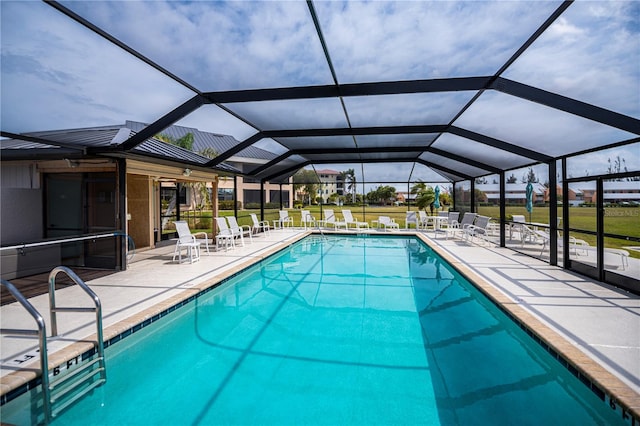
(21, 219)
(140, 210)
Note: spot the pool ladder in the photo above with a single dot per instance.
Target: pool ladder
(55, 392)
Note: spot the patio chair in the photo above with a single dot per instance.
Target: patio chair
(350, 220)
(284, 219)
(467, 220)
(224, 236)
(575, 244)
(188, 241)
(386, 222)
(452, 220)
(260, 225)
(329, 220)
(306, 219)
(410, 218)
(239, 230)
(479, 228)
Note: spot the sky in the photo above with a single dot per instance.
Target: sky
(56, 74)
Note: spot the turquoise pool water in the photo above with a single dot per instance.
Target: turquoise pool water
(338, 331)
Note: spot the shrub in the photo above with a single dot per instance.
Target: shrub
(228, 205)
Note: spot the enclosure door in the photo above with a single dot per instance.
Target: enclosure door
(77, 204)
(64, 214)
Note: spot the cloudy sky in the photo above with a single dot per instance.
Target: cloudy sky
(57, 74)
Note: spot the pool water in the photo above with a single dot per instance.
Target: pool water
(338, 331)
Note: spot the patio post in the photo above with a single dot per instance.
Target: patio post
(553, 215)
(235, 195)
(565, 214)
(503, 209)
(472, 200)
(261, 199)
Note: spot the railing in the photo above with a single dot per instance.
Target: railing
(64, 385)
(42, 340)
(86, 372)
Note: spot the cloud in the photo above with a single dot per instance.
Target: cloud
(536, 127)
(372, 41)
(220, 45)
(590, 53)
(57, 74)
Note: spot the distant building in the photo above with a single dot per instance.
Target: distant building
(515, 193)
(618, 192)
(331, 182)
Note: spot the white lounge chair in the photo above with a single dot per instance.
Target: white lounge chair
(329, 220)
(350, 220)
(259, 225)
(284, 219)
(410, 218)
(224, 236)
(478, 229)
(467, 220)
(386, 222)
(239, 230)
(306, 219)
(188, 241)
(452, 220)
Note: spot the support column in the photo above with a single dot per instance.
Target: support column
(553, 214)
(235, 195)
(503, 209)
(121, 219)
(565, 216)
(262, 197)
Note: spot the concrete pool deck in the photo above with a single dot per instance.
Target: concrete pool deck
(593, 324)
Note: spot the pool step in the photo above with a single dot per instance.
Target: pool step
(59, 390)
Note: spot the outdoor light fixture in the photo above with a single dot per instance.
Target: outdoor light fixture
(187, 172)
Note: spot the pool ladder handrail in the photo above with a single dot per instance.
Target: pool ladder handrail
(87, 368)
(42, 339)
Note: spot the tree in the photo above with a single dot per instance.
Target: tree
(349, 177)
(512, 179)
(200, 196)
(308, 181)
(425, 195)
(530, 177)
(382, 194)
(201, 193)
(185, 141)
(481, 180)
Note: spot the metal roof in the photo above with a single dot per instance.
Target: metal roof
(462, 88)
(77, 142)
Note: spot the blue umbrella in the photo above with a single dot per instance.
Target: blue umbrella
(529, 203)
(436, 203)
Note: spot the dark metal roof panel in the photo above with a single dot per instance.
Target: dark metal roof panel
(220, 143)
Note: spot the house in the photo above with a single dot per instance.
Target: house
(76, 197)
(615, 192)
(247, 189)
(515, 193)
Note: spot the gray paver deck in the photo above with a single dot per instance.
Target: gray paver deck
(601, 321)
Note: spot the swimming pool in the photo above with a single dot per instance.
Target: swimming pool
(342, 330)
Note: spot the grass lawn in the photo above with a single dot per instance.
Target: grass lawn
(618, 220)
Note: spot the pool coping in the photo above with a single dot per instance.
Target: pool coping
(610, 389)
